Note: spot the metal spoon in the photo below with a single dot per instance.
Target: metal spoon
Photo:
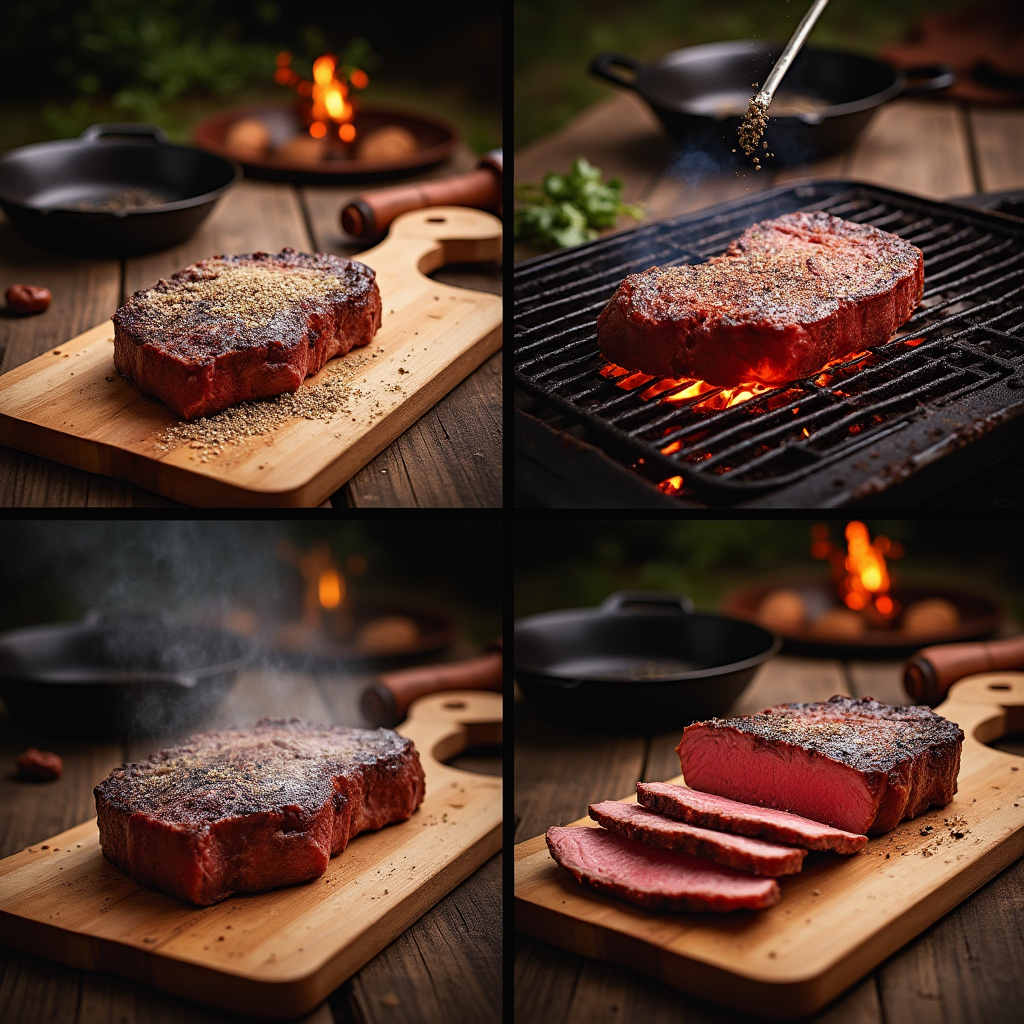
(803, 30)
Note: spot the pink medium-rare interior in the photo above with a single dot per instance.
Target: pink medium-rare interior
(735, 764)
(740, 852)
(653, 877)
(719, 812)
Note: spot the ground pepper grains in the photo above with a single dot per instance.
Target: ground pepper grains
(752, 128)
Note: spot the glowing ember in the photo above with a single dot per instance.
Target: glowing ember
(331, 589)
(671, 448)
(332, 106)
(673, 485)
(862, 572)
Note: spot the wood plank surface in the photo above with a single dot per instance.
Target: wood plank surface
(999, 147)
(793, 958)
(37, 990)
(70, 405)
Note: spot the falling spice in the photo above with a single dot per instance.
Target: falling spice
(752, 128)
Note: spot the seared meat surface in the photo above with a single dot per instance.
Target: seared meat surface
(788, 296)
(240, 327)
(255, 809)
(856, 765)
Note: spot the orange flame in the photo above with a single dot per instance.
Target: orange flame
(331, 588)
(332, 104)
(867, 575)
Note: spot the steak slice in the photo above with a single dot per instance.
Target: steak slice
(653, 878)
(716, 812)
(751, 855)
(857, 765)
(788, 296)
(240, 327)
(256, 809)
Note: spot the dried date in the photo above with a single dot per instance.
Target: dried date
(40, 765)
(24, 299)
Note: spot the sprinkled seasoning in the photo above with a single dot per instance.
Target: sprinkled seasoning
(249, 293)
(752, 128)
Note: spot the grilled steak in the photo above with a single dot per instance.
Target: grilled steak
(738, 852)
(246, 811)
(788, 296)
(716, 812)
(857, 765)
(239, 327)
(653, 878)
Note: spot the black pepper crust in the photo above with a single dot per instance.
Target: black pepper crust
(276, 764)
(864, 734)
(198, 334)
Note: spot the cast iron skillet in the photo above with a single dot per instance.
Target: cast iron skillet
(691, 89)
(50, 190)
(117, 676)
(639, 662)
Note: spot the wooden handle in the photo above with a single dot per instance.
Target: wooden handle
(387, 700)
(929, 674)
(444, 724)
(368, 216)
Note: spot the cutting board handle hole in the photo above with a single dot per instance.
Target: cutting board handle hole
(991, 686)
(458, 705)
(437, 220)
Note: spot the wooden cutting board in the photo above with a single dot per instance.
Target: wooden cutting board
(840, 917)
(70, 405)
(276, 954)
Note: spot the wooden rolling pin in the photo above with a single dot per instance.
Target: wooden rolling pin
(929, 674)
(368, 215)
(386, 701)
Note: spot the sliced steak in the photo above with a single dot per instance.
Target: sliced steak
(239, 327)
(790, 295)
(246, 811)
(653, 878)
(857, 765)
(716, 812)
(751, 855)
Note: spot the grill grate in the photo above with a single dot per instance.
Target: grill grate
(964, 340)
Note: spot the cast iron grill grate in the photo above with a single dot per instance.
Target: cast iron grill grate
(965, 342)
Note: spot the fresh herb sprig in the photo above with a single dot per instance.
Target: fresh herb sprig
(568, 209)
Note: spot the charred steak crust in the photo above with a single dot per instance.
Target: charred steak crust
(233, 328)
(788, 296)
(653, 878)
(249, 810)
(857, 765)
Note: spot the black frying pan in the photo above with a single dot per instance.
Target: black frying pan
(81, 195)
(117, 677)
(700, 94)
(639, 662)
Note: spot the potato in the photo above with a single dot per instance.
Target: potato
(390, 634)
(839, 624)
(302, 149)
(247, 139)
(782, 610)
(933, 615)
(391, 142)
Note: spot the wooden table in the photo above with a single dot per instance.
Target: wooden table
(450, 458)
(965, 968)
(445, 969)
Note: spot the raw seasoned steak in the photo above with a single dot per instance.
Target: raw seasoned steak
(716, 812)
(788, 296)
(738, 852)
(857, 765)
(653, 878)
(245, 811)
(237, 327)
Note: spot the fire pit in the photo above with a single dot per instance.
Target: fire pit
(861, 611)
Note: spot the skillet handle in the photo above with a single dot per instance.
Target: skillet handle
(663, 598)
(604, 63)
(936, 76)
(151, 131)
